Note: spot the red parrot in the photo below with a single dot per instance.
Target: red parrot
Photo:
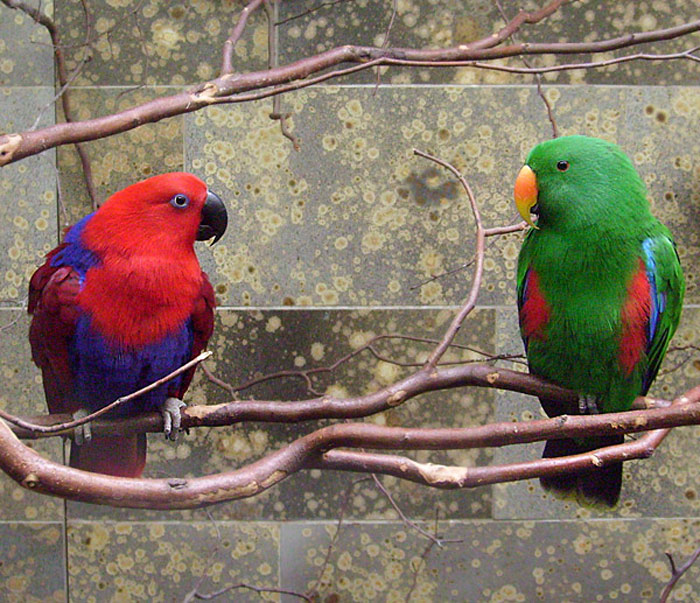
(121, 303)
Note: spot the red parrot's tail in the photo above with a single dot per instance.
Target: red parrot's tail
(122, 456)
(592, 487)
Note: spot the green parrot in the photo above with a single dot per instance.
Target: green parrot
(600, 290)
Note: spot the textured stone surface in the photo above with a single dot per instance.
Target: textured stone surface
(27, 196)
(357, 219)
(495, 561)
(165, 561)
(33, 562)
(157, 43)
(120, 160)
(23, 395)
(25, 53)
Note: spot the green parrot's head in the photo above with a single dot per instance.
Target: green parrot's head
(576, 182)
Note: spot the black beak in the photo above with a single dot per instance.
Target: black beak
(214, 219)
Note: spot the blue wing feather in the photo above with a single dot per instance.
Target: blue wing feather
(665, 279)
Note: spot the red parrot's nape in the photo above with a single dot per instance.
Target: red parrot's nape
(123, 302)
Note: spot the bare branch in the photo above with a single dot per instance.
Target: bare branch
(319, 450)
(243, 585)
(313, 589)
(64, 81)
(677, 573)
(231, 87)
(411, 524)
(470, 302)
(538, 78)
(61, 428)
(330, 407)
(236, 33)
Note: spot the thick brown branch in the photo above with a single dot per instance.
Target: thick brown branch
(228, 87)
(329, 407)
(317, 450)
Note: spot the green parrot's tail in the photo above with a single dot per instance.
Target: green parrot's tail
(594, 487)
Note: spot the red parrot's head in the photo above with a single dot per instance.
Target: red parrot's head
(163, 214)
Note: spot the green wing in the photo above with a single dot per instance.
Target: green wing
(667, 289)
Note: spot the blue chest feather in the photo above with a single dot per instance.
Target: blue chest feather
(101, 372)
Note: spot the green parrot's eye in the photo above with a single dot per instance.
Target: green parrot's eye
(562, 166)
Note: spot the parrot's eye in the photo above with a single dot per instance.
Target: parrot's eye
(562, 166)
(179, 201)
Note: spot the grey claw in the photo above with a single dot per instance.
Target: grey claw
(588, 405)
(172, 417)
(81, 433)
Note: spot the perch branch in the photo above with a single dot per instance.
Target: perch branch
(319, 450)
(63, 427)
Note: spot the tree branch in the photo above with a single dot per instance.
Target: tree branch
(229, 87)
(64, 81)
(470, 302)
(677, 573)
(318, 450)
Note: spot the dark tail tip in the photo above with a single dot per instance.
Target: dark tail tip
(594, 487)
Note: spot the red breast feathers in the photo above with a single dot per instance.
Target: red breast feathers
(149, 277)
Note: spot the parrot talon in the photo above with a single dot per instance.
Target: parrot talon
(81, 433)
(170, 410)
(587, 405)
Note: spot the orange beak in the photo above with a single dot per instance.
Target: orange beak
(526, 192)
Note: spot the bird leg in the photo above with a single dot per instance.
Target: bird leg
(170, 410)
(588, 405)
(81, 433)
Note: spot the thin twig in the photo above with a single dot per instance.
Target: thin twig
(422, 561)
(236, 33)
(313, 9)
(470, 302)
(272, 12)
(677, 573)
(52, 429)
(385, 43)
(411, 524)
(64, 82)
(488, 232)
(313, 589)
(538, 77)
(307, 374)
(244, 585)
